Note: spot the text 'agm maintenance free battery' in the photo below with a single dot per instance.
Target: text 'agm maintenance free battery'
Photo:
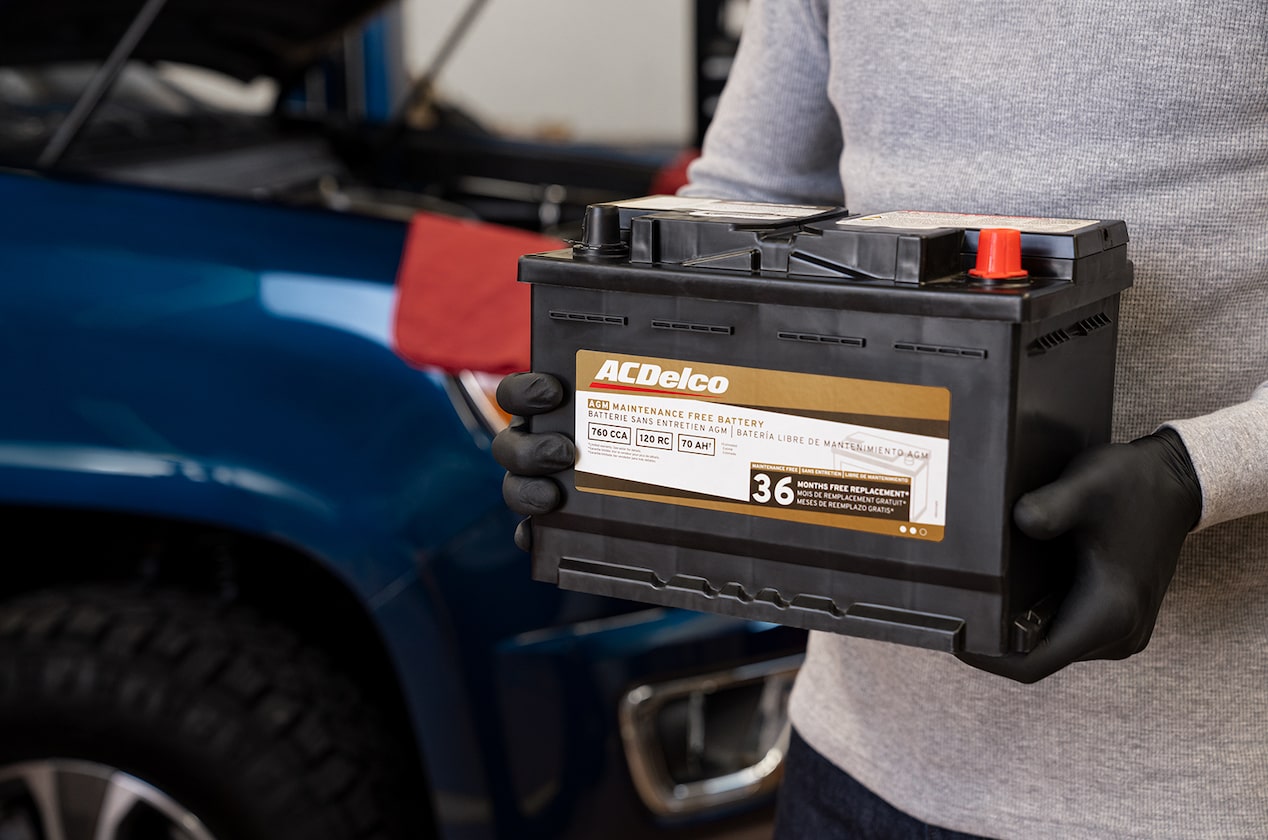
(796, 415)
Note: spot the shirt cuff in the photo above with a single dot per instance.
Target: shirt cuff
(1229, 451)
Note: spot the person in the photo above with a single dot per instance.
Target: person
(1140, 716)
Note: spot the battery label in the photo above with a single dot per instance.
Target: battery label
(919, 220)
(848, 453)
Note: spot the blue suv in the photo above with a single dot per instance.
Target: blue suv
(259, 580)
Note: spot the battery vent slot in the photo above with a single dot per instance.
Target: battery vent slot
(1082, 327)
(1089, 325)
(940, 350)
(685, 326)
(1051, 341)
(588, 317)
(815, 338)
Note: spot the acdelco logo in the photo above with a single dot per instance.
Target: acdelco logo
(637, 373)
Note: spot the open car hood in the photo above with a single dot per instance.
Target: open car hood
(242, 38)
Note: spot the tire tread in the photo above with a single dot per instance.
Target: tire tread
(244, 690)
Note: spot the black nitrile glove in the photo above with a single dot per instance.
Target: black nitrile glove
(1127, 509)
(528, 457)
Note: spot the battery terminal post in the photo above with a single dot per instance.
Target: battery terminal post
(999, 255)
(601, 234)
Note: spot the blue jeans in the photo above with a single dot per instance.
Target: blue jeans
(817, 801)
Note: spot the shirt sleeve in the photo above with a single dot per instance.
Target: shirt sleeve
(1229, 450)
(775, 135)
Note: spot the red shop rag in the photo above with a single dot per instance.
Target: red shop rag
(458, 304)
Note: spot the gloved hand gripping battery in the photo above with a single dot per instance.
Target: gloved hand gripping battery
(1124, 508)
(528, 457)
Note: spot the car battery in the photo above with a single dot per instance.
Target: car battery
(802, 416)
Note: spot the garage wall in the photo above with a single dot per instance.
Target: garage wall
(600, 70)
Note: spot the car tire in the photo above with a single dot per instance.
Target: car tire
(228, 718)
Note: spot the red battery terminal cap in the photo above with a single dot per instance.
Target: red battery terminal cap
(999, 255)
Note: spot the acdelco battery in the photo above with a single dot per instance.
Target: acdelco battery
(807, 417)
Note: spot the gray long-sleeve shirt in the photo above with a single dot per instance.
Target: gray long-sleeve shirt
(1152, 111)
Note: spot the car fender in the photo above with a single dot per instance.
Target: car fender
(226, 363)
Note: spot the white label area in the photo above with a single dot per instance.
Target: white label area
(685, 451)
(918, 220)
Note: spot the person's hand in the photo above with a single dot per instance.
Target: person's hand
(1127, 509)
(527, 456)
